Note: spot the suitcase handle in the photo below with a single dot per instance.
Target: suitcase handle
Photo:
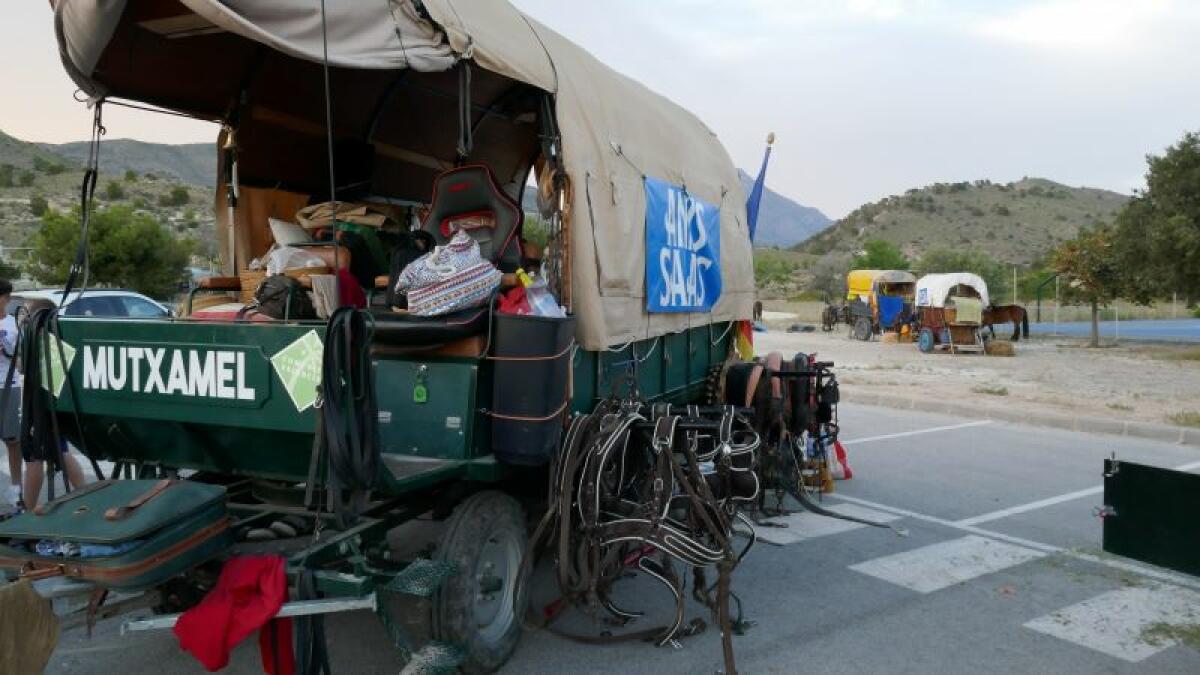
(77, 492)
(122, 512)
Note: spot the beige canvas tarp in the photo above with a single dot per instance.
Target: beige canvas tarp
(614, 130)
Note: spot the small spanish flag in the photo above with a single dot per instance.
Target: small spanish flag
(744, 343)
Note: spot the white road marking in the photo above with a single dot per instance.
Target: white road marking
(807, 525)
(937, 566)
(1147, 571)
(1049, 501)
(917, 432)
(1116, 622)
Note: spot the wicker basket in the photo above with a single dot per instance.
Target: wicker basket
(251, 279)
(302, 274)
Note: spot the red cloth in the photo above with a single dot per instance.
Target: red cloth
(514, 301)
(350, 293)
(248, 594)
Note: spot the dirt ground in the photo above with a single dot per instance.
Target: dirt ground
(1133, 382)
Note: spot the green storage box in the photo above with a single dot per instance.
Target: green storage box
(121, 534)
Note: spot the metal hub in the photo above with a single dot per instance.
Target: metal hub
(495, 574)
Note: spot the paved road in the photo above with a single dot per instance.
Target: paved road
(1001, 573)
(1168, 330)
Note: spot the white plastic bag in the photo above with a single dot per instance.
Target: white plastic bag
(289, 257)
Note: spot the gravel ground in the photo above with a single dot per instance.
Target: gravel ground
(1144, 383)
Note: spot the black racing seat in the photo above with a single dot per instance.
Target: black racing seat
(399, 329)
(468, 198)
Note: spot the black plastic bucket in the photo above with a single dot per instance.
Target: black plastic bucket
(530, 386)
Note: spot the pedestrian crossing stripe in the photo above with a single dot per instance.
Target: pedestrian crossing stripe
(937, 566)
(1131, 624)
(805, 525)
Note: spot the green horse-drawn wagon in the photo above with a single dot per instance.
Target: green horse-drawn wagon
(335, 431)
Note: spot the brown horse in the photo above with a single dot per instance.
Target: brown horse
(1004, 314)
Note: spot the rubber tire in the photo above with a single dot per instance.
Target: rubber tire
(925, 341)
(862, 329)
(480, 517)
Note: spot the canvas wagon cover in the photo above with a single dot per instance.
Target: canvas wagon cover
(614, 130)
(933, 289)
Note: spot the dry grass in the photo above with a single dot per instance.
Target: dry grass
(1163, 633)
(1174, 353)
(999, 348)
(1119, 406)
(991, 391)
(1185, 418)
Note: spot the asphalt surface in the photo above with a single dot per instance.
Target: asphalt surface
(1166, 330)
(1001, 572)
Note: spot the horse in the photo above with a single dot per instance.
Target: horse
(832, 316)
(758, 311)
(1005, 313)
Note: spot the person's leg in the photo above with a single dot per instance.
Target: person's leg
(35, 472)
(14, 462)
(74, 471)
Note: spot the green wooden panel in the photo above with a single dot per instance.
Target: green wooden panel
(1153, 515)
(185, 372)
(442, 425)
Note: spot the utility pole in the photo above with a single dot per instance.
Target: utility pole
(1056, 305)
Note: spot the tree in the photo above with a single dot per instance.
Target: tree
(177, 197)
(943, 260)
(6, 175)
(1091, 267)
(38, 205)
(1158, 231)
(8, 270)
(130, 175)
(113, 191)
(878, 254)
(127, 249)
(48, 167)
(25, 178)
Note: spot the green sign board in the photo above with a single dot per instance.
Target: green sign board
(204, 374)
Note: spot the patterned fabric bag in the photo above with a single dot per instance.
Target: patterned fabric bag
(449, 278)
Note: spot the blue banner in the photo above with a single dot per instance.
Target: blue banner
(683, 250)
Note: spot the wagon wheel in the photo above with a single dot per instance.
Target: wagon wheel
(925, 341)
(485, 538)
(862, 329)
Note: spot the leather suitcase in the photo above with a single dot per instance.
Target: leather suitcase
(134, 533)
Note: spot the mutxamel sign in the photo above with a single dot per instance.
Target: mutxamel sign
(218, 374)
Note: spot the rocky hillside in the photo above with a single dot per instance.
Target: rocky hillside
(1015, 223)
(189, 163)
(157, 179)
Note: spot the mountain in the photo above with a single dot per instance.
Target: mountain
(782, 221)
(23, 155)
(190, 163)
(1015, 222)
(33, 172)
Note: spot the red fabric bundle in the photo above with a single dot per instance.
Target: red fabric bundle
(513, 301)
(247, 596)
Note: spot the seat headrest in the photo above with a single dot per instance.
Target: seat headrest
(471, 190)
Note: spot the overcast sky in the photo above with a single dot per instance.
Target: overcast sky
(867, 97)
